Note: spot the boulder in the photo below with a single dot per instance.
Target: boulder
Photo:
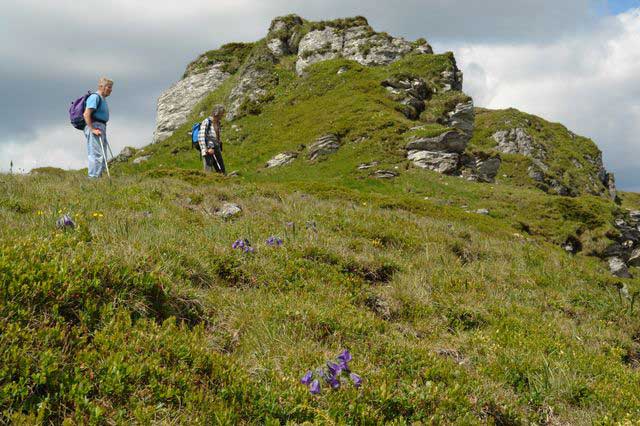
(324, 145)
(451, 141)
(441, 162)
(480, 167)
(365, 166)
(124, 155)
(281, 159)
(229, 210)
(176, 103)
(619, 268)
(634, 259)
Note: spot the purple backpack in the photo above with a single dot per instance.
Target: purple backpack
(76, 111)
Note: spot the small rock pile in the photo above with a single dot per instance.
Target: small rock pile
(625, 252)
(324, 145)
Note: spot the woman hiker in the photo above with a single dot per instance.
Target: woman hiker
(210, 143)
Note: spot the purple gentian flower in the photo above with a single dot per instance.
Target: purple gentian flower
(334, 369)
(345, 356)
(65, 222)
(335, 383)
(248, 249)
(274, 241)
(315, 387)
(306, 379)
(357, 380)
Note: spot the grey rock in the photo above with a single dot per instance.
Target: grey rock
(482, 211)
(451, 79)
(365, 166)
(451, 141)
(514, 141)
(384, 174)
(619, 268)
(342, 70)
(124, 155)
(634, 214)
(324, 145)
(281, 159)
(277, 47)
(358, 43)
(480, 167)
(634, 258)
(441, 162)
(141, 159)
(229, 210)
(175, 104)
(462, 117)
(610, 184)
(411, 92)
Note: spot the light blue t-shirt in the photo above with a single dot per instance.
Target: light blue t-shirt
(101, 112)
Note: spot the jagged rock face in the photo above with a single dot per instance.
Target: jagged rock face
(462, 117)
(411, 92)
(282, 38)
(515, 141)
(625, 251)
(324, 145)
(281, 159)
(175, 104)
(254, 83)
(358, 43)
(451, 80)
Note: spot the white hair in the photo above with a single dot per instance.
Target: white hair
(104, 82)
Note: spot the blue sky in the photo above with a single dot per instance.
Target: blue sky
(618, 6)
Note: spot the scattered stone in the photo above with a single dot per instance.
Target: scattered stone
(147, 214)
(342, 70)
(281, 159)
(619, 268)
(453, 354)
(229, 210)
(124, 155)
(141, 159)
(234, 173)
(365, 166)
(384, 174)
(482, 211)
(324, 145)
(441, 162)
(451, 141)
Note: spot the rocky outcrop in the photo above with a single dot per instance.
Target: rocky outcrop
(517, 141)
(255, 82)
(358, 42)
(441, 162)
(451, 141)
(175, 104)
(451, 79)
(410, 91)
(462, 117)
(284, 35)
(124, 155)
(281, 159)
(324, 145)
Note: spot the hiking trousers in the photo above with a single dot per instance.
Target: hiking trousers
(214, 162)
(97, 161)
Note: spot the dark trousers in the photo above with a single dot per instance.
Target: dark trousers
(214, 162)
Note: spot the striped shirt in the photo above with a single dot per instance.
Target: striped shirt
(206, 134)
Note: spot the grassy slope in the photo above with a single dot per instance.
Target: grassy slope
(145, 312)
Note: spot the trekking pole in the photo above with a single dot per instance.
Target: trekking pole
(104, 156)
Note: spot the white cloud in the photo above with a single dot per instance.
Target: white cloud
(587, 82)
(65, 147)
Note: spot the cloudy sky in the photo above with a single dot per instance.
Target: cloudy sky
(576, 62)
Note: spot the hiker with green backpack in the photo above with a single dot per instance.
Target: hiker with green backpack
(205, 136)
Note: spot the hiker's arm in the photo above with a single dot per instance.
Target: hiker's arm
(87, 118)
